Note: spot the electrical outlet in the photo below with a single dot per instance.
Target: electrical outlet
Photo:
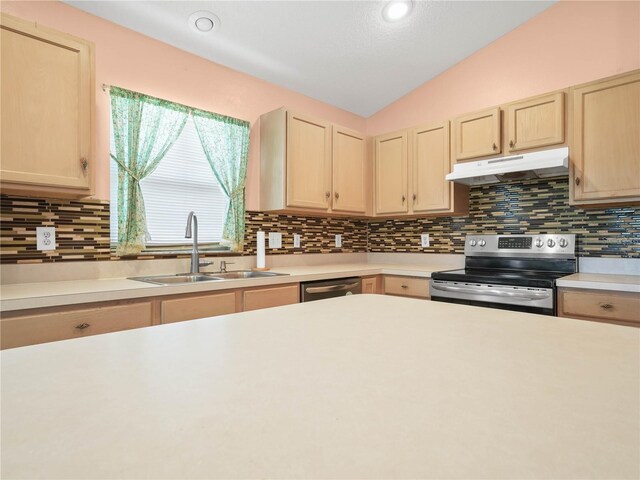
(275, 240)
(338, 241)
(424, 239)
(46, 238)
(296, 240)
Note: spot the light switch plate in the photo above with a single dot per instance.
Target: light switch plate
(424, 239)
(296, 240)
(275, 240)
(338, 241)
(46, 238)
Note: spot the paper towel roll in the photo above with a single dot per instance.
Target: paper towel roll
(260, 250)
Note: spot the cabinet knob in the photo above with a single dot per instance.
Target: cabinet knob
(84, 163)
(606, 306)
(577, 180)
(337, 195)
(495, 147)
(512, 143)
(415, 197)
(403, 198)
(328, 195)
(82, 326)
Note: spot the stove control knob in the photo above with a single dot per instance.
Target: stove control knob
(473, 243)
(539, 243)
(551, 243)
(483, 243)
(563, 242)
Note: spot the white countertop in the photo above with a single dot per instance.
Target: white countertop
(365, 386)
(598, 281)
(48, 294)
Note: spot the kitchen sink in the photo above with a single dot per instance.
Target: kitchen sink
(244, 274)
(177, 279)
(182, 278)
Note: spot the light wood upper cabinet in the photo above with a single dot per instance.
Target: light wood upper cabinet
(605, 141)
(308, 162)
(535, 122)
(430, 162)
(391, 156)
(311, 166)
(47, 89)
(477, 134)
(349, 173)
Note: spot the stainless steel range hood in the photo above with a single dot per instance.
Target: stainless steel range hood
(544, 164)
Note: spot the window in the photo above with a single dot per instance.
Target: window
(182, 182)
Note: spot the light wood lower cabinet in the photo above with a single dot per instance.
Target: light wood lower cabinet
(599, 305)
(406, 286)
(371, 284)
(258, 298)
(199, 306)
(62, 323)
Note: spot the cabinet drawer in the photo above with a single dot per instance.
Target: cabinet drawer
(201, 306)
(600, 305)
(24, 330)
(271, 297)
(406, 286)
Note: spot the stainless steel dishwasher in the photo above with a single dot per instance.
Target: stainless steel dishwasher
(337, 287)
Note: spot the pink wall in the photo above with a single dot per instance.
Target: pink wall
(567, 44)
(134, 61)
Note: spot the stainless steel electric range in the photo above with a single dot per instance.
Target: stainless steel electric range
(509, 272)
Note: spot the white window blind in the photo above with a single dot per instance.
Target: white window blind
(183, 182)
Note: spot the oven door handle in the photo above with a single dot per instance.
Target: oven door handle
(331, 288)
(493, 292)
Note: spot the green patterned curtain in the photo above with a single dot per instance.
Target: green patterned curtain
(144, 129)
(225, 141)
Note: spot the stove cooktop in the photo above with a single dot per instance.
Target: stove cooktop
(520, 278)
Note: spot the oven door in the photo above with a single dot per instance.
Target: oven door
(505, 297)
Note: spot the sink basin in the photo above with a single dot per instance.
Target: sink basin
(182, 278)
(244, 274)
(177, 279)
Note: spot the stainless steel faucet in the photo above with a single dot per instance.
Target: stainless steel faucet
(193, 233)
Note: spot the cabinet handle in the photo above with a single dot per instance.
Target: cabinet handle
(577, 180)
(606, 306)
(82, 326)
(404, 286)
(512, 143)
(337, 195)
(403, 199)
(415, 197)
(84, 163)
(495, 147)
(328, 195)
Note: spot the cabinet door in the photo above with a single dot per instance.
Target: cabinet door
(201, 306)
(270, 297)
(600, 305)
(308, 162)
(536, 122)
(349, 153)
(605, 143)
(370, 284)
(391, 173)
(47, 101)
(50, 325)
(478, 134)
(430, 162)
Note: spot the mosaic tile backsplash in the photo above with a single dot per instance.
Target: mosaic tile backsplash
(531, 206)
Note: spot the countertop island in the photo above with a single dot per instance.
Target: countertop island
(365, 386)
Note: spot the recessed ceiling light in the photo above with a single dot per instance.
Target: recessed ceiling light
(396, 10)
(203, 21)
